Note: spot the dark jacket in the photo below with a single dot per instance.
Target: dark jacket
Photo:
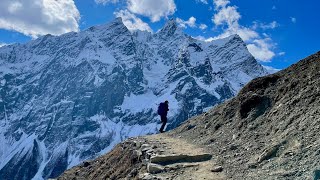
(164, 109)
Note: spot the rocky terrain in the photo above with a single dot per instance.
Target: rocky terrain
(151, 157)
(65, 99)
(270, 130)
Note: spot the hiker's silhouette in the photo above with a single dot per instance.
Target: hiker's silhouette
(163, 111)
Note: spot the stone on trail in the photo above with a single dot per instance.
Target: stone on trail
(217, 169)
(154, 168)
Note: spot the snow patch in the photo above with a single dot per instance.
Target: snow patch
(271, 70)
(138, 103)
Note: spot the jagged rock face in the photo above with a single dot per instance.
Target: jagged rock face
(72, 97)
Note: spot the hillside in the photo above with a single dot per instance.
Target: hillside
(270, 130)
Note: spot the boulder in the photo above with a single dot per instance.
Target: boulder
(154, 168)
(217, 169)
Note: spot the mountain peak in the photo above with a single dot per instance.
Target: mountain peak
(236, 37)
(115, 27)
(169, 28)
(170, 23)
(117, 20)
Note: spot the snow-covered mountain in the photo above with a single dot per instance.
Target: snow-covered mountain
(64, 99)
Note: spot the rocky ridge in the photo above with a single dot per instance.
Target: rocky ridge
(270, 130)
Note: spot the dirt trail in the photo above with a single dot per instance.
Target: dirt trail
(175, 145)
(155, 157)
(193, 167)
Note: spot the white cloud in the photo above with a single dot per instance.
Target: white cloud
(293, 19)
(265, 26)
(228, 15)
(260, 49)
(201, 38)
(104, 2)
(132, 22)
(272, 25)
(246, 34)
(281, 53)
(155, 10)
(14, 7)
(203, 26)
(202, 1)
(39, 17)
(221, 3)
(191, 22)
(3, 44)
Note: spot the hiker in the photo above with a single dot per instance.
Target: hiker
(163, 111)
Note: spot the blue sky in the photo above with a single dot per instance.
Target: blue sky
(277, 32)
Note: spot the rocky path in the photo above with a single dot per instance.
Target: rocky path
(155, 157)
(174, 158)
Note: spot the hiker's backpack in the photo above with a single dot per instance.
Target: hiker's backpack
(161, 109)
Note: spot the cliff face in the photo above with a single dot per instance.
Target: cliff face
(68, 98)
(270, 130)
